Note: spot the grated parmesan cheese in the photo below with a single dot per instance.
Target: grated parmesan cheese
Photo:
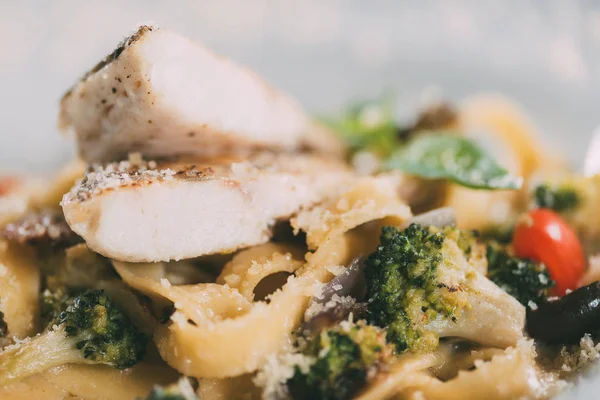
(276, 371)
(317, 308)
(577, 357)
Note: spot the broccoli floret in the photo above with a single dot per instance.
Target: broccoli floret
(424, 283)
(3, 326)
(343, 359)
(525, 280)
(560, 199)
(182, 390)
(53, 303)
(402, 285)
(90, 330)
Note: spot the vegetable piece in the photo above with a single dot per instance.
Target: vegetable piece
(422, 284)
(53, 304)
(368, 126)
(440, 217)
(181, 390)
(91, 330)
(566, 320)
(344, 283)
(342, 359)
(525, 280)
(542, 235)
(447, 156)
(335, 306)
(562, 198)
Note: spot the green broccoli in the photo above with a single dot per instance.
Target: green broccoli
(424, 283)
(560, 199)
(90, 330)
(181, 390)
(3, 326)
(342, 359)
(525, 280)
(401, 282)
(53, 303)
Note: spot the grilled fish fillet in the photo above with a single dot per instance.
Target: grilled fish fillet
(161, 94)
(143, 212)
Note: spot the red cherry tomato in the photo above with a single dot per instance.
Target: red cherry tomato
(545, 237)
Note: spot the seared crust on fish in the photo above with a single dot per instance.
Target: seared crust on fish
(143, 211)
(161, 94)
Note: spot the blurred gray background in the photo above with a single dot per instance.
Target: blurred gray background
(325, 52)
(545, 54)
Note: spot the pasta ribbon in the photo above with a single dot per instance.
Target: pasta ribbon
(406, 372)
(91, 382)
(19, 290)
(250, 266)
(238, 388)
(370, 199)
(510, 375)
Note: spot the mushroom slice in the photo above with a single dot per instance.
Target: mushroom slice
(143, 212)
(161, 94)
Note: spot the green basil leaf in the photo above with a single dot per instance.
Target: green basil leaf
(368, 126)
(447, 156)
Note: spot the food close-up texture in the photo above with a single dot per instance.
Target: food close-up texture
(211, 239)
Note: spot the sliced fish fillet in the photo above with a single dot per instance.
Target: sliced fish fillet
(143, 212)
(161, 94)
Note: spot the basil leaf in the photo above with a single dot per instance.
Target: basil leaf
(447, 156)
(368, 126)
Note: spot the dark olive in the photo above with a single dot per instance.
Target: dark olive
(567, 319)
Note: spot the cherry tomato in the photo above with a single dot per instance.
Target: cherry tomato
(544, 236)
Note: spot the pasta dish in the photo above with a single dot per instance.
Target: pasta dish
(214, 241)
